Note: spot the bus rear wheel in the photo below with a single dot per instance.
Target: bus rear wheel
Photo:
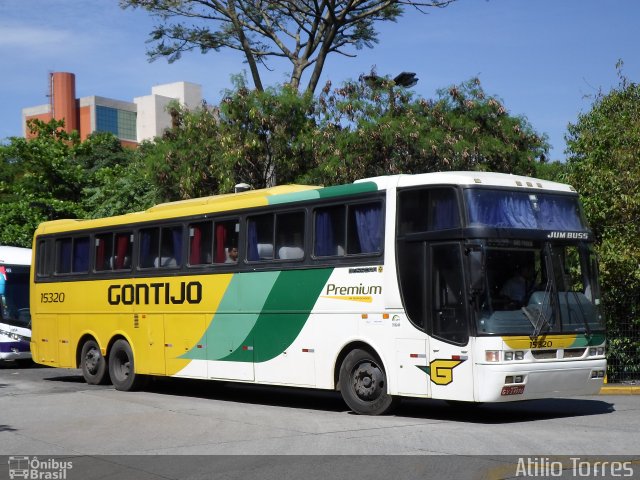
(122, 367)
(363, 384)
(93, 364)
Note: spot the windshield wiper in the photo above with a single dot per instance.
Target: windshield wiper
(538, 323)
(549, 294)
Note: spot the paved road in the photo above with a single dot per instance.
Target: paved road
(47, 411)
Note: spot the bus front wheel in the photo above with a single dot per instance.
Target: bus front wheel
(93, 364)
(122, 368)
(363, 384)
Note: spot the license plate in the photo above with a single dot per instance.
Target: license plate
(513, 390)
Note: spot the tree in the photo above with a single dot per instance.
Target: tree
(253, 137)
(301, 31)
(370, 129)
(279, 136)
(603, 149)
(55, 175)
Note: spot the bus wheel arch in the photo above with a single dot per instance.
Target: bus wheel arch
(90, 360)
(121, 363)
(361, 378)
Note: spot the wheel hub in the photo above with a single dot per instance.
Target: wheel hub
(367, 381)
(92, 361)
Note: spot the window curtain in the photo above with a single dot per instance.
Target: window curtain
(252, 241)
(100, 254)
(81, 255)
(196, 245)
(221, 239)
(146, 259)
(445, 211)
(64, 256)
(500, 209)
(559, 213)
(122, 248)
(176, 235)
(325, 241)
(369, 227)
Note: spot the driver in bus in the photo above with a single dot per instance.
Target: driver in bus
(519, 286)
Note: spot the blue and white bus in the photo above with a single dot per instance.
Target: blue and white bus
(15, 319)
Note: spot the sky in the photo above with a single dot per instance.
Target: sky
(545, 59)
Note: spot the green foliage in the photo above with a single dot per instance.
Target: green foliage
(370, 129)
(279, 136)
(264, 135)
(604, 148)
(254, 137)
(184, 162)
(55, 175)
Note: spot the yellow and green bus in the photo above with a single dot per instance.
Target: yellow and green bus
(462, 286)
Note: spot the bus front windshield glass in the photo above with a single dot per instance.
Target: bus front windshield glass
(14, 301)
(538, 289)
(523, 210)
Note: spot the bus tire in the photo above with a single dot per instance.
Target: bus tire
(122, 367)
(363, 384)
(93, 364)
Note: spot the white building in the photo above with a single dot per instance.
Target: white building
(153, 117)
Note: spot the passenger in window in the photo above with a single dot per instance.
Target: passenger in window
(232, 255)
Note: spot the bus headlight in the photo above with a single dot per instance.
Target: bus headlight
(517, 355)
(492, 355)
(593, 351)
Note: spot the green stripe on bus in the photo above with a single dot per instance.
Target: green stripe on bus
(294, 294)
(328, 192)
(260, 315)
(589, 340)
(237, 314)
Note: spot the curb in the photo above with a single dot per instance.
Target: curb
(620, 390)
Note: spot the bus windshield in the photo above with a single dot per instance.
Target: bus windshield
(14, 295)
(534, 288)
(523, 210)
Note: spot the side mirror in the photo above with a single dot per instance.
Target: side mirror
(476, 271)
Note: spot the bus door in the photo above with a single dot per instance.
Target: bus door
(450, 368)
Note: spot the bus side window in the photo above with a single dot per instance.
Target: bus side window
(290, 236)
(63, 255)
(41, 259)
(113, 251)
(80, 260)
(149, 247)
(329, 231)
(225, 241)
(104, 251)
(200, 243)
(365, 228)
(260, 237)
(122, 251)
(170, 248)
(425, 210)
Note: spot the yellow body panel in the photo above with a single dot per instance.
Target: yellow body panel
(196, 206)
(158, 330)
